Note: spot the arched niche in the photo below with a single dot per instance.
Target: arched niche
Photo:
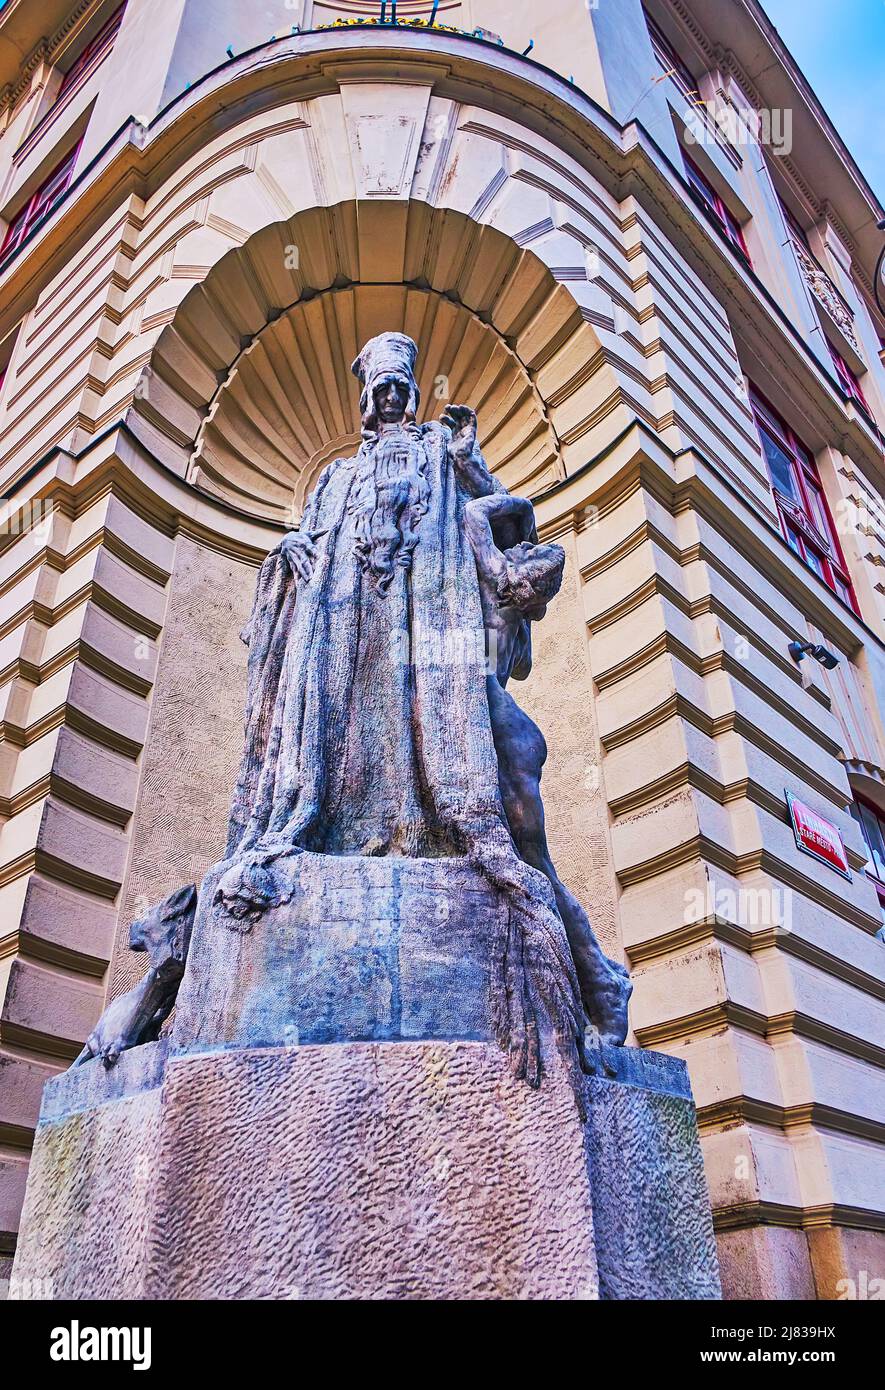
(249, 392)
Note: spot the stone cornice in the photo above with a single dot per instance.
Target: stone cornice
(729, 1014)
(688, 936)
(738, 1217)
(116, 462)
(737, 1110)
(44, 51)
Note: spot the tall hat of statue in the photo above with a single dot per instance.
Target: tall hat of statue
(388, 357)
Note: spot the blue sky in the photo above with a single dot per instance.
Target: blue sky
(840, 47)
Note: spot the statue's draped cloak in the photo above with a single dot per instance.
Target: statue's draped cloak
(367, 722)
(368, 727)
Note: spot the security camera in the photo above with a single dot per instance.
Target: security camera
(799, 650)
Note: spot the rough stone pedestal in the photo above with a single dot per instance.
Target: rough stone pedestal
(391, 1153)
(366, 1170)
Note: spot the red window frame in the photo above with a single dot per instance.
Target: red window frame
(848, 381)
(716, 208)
(864, 812)
(89, 57)
(40, 203)
(673, 64)
(803, 512)
(82, 68)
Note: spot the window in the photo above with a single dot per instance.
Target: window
(810, 262)
(40, 204)
(872, 827)
(671, 62)
(83, 66)
(89, 57)
(848, 381)
(801, 504)
(715, 208)
(797, 232)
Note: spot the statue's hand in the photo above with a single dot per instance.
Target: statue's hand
(299, 552)
(461, 420)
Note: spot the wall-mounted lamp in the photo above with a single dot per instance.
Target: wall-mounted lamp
(527, 51)
(799, 650)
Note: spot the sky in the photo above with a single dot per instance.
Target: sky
(840, 47)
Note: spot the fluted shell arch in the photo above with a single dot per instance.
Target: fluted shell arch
(249, 392)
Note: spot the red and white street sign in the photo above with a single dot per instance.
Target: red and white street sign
(817, 836)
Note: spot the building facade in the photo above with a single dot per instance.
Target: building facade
(633, 240)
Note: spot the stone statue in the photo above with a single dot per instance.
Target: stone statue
(137, 1016)
(377, 719)
(382, 957)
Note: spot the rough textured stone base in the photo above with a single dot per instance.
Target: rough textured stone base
(389, 1171)
(89, 1198)
(654, 1232)
(367, 1170)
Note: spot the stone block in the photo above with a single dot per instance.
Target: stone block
(651, 1212)
(367, 1170)
(87, 1207)
(365, 950)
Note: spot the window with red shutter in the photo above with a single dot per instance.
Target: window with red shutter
(848, 381)
(716, 208)
(88, 59)
(82, 68)
(802, 507)
(40, 204)
(673, 64)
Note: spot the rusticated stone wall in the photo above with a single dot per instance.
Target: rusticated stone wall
(195, 738)
(559, 697)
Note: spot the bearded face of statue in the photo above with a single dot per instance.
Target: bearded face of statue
(391, 492)
(391, 400)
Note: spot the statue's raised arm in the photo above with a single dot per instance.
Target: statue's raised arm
(471, 468)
